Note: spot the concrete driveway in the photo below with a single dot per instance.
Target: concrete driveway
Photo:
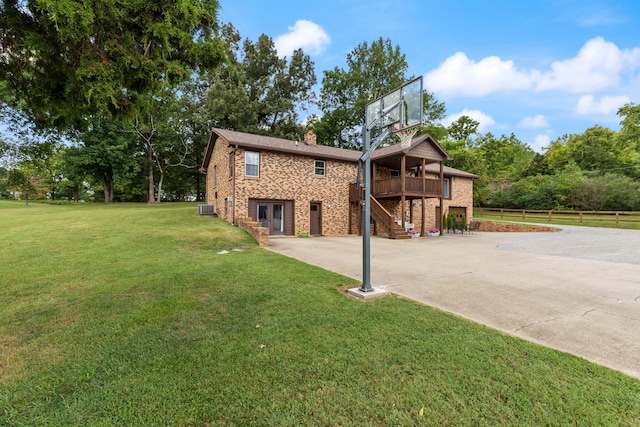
(577, 290)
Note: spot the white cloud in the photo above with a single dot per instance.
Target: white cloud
(305, 35)
(587, 105)
(533, 122)
(598, 65)
(540, 142)
(459, 75)
(597, 15)
(485, 120)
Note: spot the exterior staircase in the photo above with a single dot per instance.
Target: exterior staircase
(385, 222)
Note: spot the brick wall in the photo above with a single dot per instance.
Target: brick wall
(260, 233)
(282, 177)
(220, 182)
(291, 177)
(461, 196)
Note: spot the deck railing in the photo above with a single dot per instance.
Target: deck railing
(412, 185)
(381, 216)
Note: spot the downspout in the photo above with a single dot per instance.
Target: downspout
(441, 196)
(233, 188)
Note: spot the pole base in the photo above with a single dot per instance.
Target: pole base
(373, 293)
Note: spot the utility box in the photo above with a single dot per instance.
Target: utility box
(206, 210)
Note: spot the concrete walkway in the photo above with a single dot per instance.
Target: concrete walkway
(577, 290)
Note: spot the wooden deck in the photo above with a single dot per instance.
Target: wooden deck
(391, 188)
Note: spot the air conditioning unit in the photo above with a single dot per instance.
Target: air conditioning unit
(206, 210)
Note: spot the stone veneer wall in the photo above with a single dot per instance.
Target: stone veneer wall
(283, 176)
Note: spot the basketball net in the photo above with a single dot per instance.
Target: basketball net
(406, 135)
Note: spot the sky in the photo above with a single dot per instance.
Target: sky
(536, 68)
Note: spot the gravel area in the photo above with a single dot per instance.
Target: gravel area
(603, 244)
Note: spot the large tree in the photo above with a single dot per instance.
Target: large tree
(372, 70)
(504, 157)
(64, 60)
(629, 137)
(499, 162)
(598, 150)
(107, 150)
(25, 182)
(256, 90)
(191, 126)
(630, 122)
(36, 151)
(166, 135)
(460, 144)
(44, 160)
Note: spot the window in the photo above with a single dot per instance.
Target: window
(215, 176)
(231, 163)
(251, 163)
(394, 172)
(447, 188)
(319, 167)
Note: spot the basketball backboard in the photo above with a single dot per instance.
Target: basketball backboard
(397, 110)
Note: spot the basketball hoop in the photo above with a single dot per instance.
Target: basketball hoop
(406, 135)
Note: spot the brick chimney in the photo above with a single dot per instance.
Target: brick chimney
(310, 137)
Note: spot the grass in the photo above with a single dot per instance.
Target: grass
(128, 315)
(627, 220)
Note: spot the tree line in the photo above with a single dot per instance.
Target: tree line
(598, 169)
(115, 101)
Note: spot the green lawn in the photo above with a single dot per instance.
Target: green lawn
(128, 315)
(627, 220)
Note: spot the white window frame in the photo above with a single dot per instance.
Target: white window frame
(446, 190)
(248, 161)
(316, 167)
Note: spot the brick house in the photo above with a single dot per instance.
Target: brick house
(285, 187)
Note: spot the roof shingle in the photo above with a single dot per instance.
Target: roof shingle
(260, 142)
(278, 144)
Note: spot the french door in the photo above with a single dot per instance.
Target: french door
(271, 215)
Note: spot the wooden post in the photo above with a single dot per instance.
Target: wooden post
(403, 174)
(373, 179)
(581, 217)
(411, 212)
(423, 228)
(617, 218)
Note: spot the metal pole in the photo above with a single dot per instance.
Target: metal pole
(366, 217)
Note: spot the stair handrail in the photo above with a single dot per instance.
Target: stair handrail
(378, 211)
